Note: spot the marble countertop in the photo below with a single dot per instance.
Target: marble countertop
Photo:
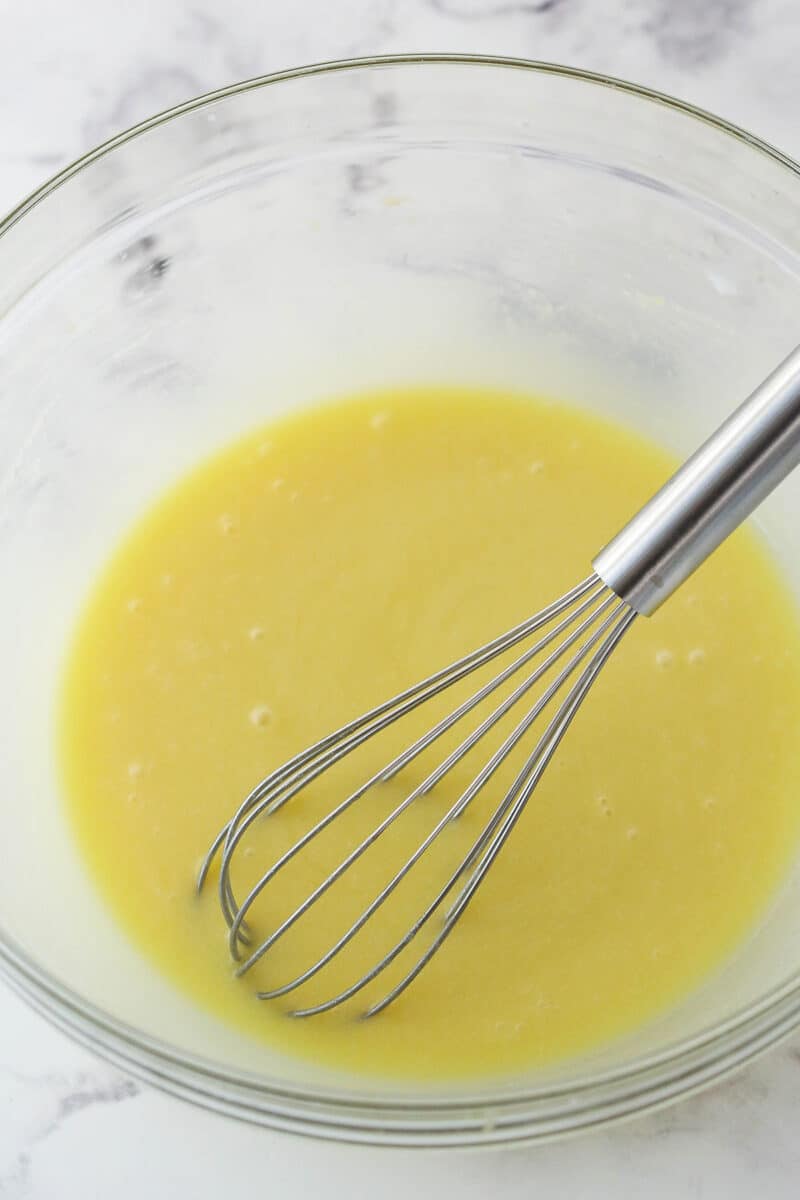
(71, 74)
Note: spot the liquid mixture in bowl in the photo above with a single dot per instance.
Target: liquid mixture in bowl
(322, 564)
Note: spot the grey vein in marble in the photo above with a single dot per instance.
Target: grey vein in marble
(64, 1097)
(692, 34)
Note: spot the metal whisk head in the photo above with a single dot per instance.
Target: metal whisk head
(570, 640)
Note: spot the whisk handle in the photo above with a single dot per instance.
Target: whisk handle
(709, 496)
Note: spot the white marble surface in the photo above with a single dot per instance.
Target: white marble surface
(70, 74)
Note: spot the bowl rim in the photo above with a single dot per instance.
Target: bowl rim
(482, 1116)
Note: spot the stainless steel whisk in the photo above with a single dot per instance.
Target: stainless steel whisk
(703, 502)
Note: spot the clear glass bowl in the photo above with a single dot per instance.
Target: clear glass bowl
(320, 231)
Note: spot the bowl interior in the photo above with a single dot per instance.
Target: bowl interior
(270, 247)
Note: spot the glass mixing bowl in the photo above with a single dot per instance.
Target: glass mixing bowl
(320, 231)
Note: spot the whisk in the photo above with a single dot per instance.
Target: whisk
(703, 502)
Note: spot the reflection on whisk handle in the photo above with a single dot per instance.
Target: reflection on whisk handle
(709, 496)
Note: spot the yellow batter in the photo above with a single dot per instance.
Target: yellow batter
(323, 563)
